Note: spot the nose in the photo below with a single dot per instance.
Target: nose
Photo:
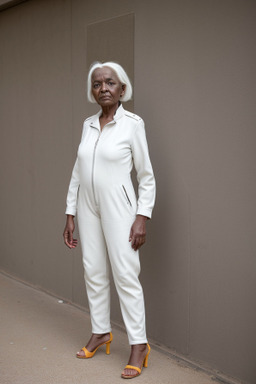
(104, 87)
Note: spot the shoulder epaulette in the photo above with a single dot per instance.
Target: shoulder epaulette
(132, 115)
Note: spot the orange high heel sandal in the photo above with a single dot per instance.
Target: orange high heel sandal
(144, 364)
(88, 354)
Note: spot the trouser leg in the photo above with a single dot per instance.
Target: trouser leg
(125, 265)
(96, 272)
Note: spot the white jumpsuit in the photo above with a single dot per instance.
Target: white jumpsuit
(102, 195)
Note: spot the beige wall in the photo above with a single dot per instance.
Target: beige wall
(194, 72)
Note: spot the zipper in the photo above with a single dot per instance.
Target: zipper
(126, 194)
(93, 162)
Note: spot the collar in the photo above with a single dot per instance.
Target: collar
(95, 122)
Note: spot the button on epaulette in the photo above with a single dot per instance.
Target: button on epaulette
(132, 115)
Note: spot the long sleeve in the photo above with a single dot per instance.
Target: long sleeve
(145, 175)
(72, 191)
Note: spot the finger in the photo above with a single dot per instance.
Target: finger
(67, 243)
(68, 240)
(71, 246)
(135, 244)
(74, 243)
(131, 235)
(140, 240)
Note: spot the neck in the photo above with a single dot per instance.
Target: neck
(109, 112)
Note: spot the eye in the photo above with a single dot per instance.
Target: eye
(96, 85)
(111, 83)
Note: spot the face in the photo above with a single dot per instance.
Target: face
(106, 87)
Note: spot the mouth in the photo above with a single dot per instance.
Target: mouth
(105, 97)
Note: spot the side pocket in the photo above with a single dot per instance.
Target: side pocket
(126, 195)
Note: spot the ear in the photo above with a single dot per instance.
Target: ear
(123, 90)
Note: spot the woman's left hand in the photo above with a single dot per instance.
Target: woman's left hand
(138, 232)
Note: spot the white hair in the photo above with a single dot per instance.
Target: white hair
(121, 74)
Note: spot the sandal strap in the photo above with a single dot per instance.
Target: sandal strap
(86, 352)
(133, 367)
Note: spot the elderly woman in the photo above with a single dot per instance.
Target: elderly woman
(111, 220)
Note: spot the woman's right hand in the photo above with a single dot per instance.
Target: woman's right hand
(68, 232)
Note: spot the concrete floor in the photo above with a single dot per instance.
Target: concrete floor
(40, 336)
